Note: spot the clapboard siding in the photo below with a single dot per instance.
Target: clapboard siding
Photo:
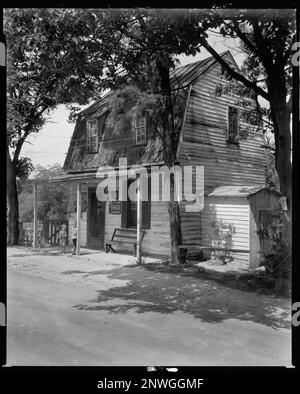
(190, 226)
(157, 238)
(204, 143)
(234, 211)
(261, 201)
(190, 221)
(204, 138)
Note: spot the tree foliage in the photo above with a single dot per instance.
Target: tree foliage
(54, 56)
(52, 198)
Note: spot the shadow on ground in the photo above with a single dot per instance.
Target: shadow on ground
(146, 289)
(46, 252)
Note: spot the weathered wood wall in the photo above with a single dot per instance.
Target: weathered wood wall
(156, 240)
(263, 200)
(232, 211)
(204, 138)
(204, 142)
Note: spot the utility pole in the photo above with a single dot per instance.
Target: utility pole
(34, 216)
(139, 221)
(78, 218)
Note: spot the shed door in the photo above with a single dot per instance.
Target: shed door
(267, 226)
(96, 221)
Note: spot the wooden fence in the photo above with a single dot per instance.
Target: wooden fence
(51, 230)
(47, 232)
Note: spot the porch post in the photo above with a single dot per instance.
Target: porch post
(34, 216)
(139, 221)
(78, 219)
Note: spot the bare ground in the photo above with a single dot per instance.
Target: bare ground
(122, 314)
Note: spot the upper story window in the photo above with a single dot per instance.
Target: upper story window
(92, 135)
(232, 125)
(140, 129)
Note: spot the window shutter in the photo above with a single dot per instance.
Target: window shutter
(146, 208)
(146, 214)
(124, 214)
(101, 124)
(233, 124)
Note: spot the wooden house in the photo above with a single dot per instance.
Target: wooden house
(212, 135)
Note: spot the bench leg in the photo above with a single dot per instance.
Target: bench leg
(108, 247)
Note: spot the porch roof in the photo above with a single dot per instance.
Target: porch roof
(91, 176)
(237, 191)
(66, 178)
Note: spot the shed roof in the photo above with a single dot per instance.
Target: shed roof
(237, 191)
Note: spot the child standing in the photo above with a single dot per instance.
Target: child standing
(74, 236)
(63, 237)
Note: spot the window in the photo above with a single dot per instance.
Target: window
(140, 129)
(232, 125)
(92, 136)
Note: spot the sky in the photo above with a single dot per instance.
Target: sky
(50, 145)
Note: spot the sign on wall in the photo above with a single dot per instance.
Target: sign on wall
(115, 207)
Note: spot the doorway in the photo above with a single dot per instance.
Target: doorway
(95, 221)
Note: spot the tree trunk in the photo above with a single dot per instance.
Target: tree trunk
(281, 120)
(177, 255)
(170, 141)
(284, 170)
(13, 204)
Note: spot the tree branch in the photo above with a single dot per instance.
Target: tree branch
(244, 38)
(263, 52)
(27, 131)
(233, 73)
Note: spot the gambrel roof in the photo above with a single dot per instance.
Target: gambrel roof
(182, 77)
(117, 139)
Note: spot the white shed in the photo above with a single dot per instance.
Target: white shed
(240, 218)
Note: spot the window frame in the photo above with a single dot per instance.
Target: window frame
(234, 140)
(89, 148)
(137, 128)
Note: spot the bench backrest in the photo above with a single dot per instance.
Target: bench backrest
(125, 235)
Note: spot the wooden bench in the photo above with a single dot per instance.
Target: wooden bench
(124, 236)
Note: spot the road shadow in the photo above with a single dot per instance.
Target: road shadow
(88, 273)
(146, 290)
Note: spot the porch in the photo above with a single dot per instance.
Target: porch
(96, 219)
